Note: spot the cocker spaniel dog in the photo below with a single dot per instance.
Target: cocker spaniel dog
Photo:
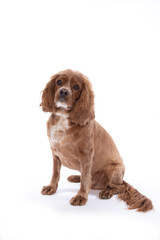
(80, 143)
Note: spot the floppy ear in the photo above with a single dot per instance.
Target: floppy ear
(48, 95)
(83, 110)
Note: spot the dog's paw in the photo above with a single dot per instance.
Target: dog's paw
(74, 178)
(105, 194)
(108, 193)
(49, 190)
(78, 200)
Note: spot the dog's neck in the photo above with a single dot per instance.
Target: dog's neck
(61, 113)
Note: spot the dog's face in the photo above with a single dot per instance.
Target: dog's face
(69, 92)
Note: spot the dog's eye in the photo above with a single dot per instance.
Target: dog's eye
(76, 87)
(59, 82)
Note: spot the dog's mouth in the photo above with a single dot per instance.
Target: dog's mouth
(62, 100)
(61, 104)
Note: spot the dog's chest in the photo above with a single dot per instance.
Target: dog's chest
(58, 132)
(62, 142)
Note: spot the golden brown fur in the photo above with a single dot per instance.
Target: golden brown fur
(80, 143)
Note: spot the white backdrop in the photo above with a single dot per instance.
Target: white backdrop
(117, 45)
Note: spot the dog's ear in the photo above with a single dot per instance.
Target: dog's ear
(48, 93)
(83, 109)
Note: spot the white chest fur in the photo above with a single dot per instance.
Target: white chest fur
(58, 131)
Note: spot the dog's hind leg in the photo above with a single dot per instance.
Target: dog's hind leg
(114, 175)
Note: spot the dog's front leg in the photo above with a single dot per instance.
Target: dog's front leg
(82, 195)
(52, 187)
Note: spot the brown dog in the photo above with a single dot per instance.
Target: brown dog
(80, 143)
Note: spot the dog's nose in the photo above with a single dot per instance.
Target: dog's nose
(64, 93)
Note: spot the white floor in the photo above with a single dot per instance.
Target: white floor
(26, 214)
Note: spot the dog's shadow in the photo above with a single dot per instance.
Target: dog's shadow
(60, 202)
(74, 191)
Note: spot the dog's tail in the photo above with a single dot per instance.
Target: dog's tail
(133, 198)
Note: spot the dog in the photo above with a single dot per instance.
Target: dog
(79, 142)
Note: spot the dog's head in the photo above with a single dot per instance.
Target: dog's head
(69, 92)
